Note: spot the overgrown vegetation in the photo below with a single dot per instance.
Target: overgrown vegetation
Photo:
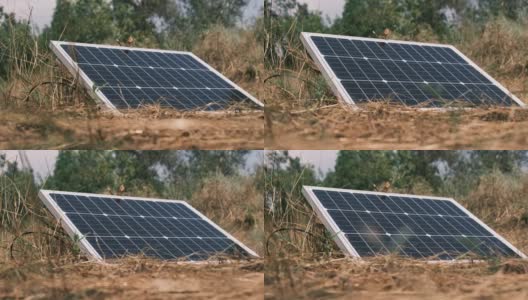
(393, 278)
(303, 112)
(491, 33)
(489, 183)
(45, 107)
(218, 183)
(304, 262)
(160, 23)
(30, 76)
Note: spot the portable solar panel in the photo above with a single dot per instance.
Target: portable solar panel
(366, 224)
(360, 70)
(109, 227)
(129, 78)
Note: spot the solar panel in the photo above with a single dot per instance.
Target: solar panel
(360, 70)
(129, 78)
(366, 224)
(109, 227)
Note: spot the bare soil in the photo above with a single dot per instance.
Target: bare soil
(329, 276)
(301, 124)
(132, 279)
(380, 126)
(392, 278)
(144, 130)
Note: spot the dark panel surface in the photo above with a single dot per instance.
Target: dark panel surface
(116, 227)
(429, 76)
(417, 227)
(134, 78)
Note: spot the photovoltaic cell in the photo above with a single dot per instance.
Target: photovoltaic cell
(413, 226)
(412, 74)
(115, 227)
(126, 78)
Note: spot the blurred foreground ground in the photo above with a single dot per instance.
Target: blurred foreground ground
(392, 278)
(144, 130)
(132, 279)
(381, 127)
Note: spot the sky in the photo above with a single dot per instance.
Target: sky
(322, 160)
(41, 11)
(329, 8)
(42, 161)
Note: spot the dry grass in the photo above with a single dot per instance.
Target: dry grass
(394, 278)
(500, 200)
(302, 113)
(29, 231)
(45, 108)
(222, 48)
(292, 226)
(381, 126)
(132, 278)
(502, 47)
(38, 260)
(148, 129)
(303, 261)
(309, 266)
(37, 81)
(236, 205)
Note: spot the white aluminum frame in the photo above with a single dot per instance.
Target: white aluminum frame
(77, 72)
(340, 91)
(87, 248)
(345, 245)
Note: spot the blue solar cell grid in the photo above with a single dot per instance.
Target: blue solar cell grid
(409, 74)
(417, 227)
(117, 227)
(132, 78)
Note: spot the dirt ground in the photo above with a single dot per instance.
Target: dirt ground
(331, 276)
(392, 278)
(377, 127)
(144, 130)
(380, 126)
(132, 279)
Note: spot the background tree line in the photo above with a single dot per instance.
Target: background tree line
(163, 174)
(174, 24)
(158, 173)
(442, 20)
(442, 173)
(156, 22)
(491, 184)
(406, 17)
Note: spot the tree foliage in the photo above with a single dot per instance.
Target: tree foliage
(406, 17)
(513, 9)
(137, 18)
(82, 171)
(88, 21)
(146, 21)
(187, 170)
(361, 169)
(204, 13)
(158, 173)
(409, 17)
(452, 172)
